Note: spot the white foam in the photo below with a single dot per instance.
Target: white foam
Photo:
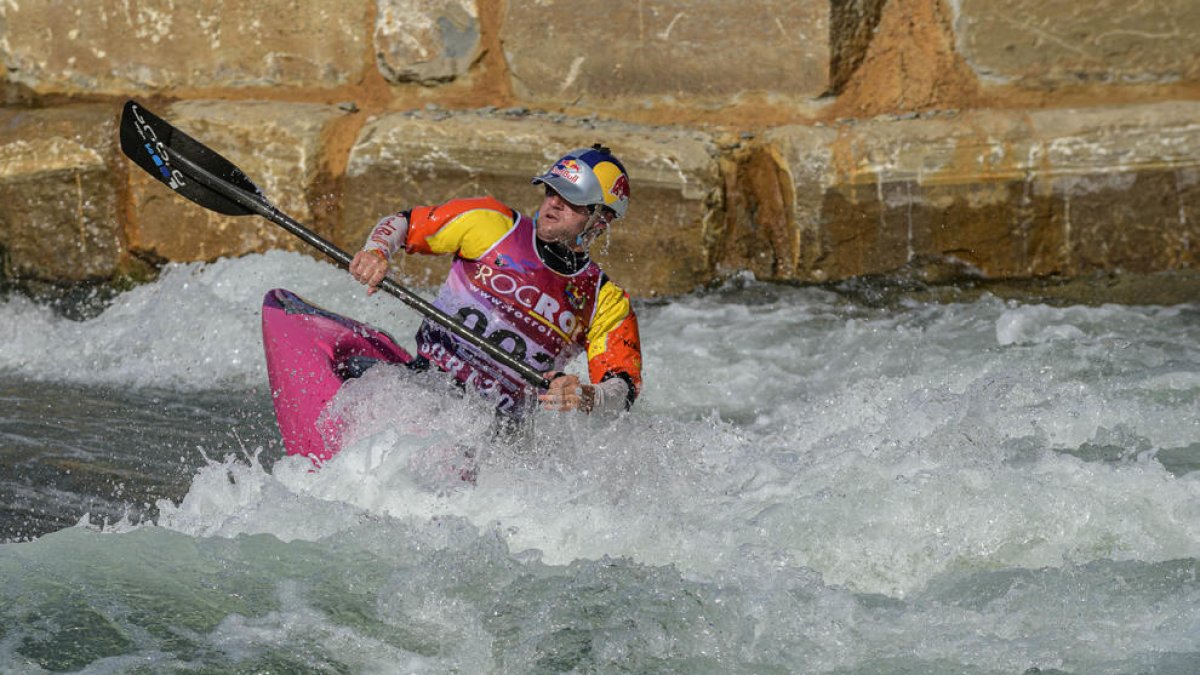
(197, 327)
(924, 490)
(877, 448)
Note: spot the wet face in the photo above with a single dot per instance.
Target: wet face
(561, 221)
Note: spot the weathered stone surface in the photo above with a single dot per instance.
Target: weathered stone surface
(426, 41)
(1123, 184)
(117, 47)
(403, 160)
(760, 233)
(910, 65)
(58, 210)
(1006, 193)
(934, 191)
(853, 28)
(1009, 196)
(774, 191)
(708, 49)
(278, 145)
(12, 93)
(1055, 42)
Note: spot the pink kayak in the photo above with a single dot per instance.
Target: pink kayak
(310, 353)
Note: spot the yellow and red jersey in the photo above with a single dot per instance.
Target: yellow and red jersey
(500, 288)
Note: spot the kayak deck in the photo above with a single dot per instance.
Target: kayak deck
(310, 353)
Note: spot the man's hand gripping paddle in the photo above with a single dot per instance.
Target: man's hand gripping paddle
(194, 171)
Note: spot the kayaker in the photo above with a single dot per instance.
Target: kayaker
(528, 285)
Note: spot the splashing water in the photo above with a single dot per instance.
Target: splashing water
(808, 484)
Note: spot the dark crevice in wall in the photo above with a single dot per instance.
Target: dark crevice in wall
(760, 232)
(852, 25)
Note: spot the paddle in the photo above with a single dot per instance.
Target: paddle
(196, 172)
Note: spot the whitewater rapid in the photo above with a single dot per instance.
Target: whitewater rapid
(808, 483)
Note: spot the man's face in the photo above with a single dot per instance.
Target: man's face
(559, 220)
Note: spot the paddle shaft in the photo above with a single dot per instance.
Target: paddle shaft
(254, 203)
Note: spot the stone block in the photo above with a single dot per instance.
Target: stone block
(765, 184)
(1000, 194)
(706, 50)
(278, 145)
(853, 26)
(1049, 43)
(118, 48)
(426, 41)
(1123, 181)
(58, 221)
(404, 160)
(873, 198)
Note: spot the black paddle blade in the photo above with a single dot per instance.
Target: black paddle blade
(151, 142)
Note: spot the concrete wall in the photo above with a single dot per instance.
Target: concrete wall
(798, 139)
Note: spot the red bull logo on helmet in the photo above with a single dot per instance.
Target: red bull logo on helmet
(614, 182)
(567, 168)
(620, 187)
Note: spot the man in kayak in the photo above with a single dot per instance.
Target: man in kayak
(527, 285)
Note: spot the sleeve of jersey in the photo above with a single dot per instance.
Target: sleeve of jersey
(614, 348)
(466, 227)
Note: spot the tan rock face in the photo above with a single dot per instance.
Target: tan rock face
(853, 28)
(826, 139)
(699, 50)
(278, 145)
(1042, 43)
(401, 161)
(59, 221)
(760, 233)
(1123, 183)
(1051, 192)
(426, 41)
(909, 64)
(117, 47)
